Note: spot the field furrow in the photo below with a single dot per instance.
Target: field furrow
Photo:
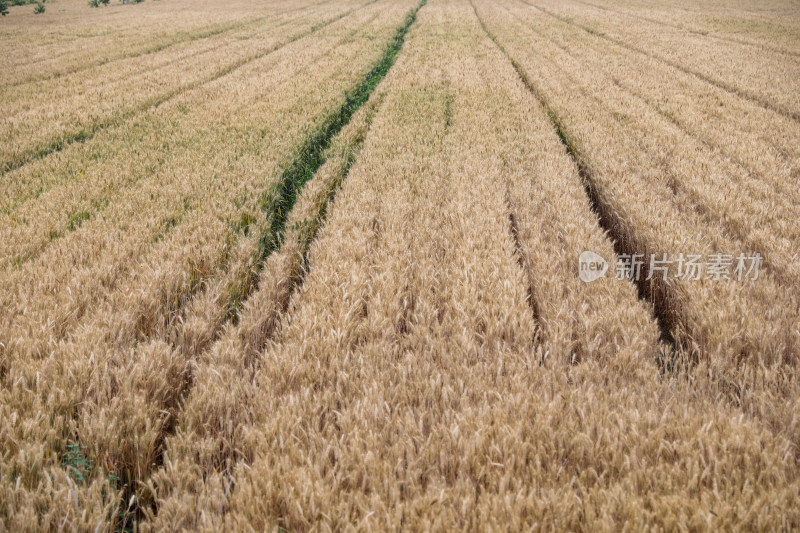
(744, 29)
(405, 388)
(762, 142)
(370, 265)
(202, 324)
(98, 101)
(92, 174)
(711, 62)
(196, 264)
(702, 177)
(87, 39)
(75, 278)
(648, 214)
(222, 376)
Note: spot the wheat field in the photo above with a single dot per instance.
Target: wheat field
(322, 265)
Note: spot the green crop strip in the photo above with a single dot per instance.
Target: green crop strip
(279, 199)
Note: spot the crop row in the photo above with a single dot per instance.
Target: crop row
(442, 365)
(82, 38)
(148, 283)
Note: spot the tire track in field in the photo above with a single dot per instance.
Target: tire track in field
(98, 206)
(522, 259)
(309, 152)
(279, 200)
(185, 296)
(277, 203)
(84, 135)
(201, 275)
(623, 238)
(731, 158)
(741, 93)
(671, 306)
(691, 30)
(696, 205)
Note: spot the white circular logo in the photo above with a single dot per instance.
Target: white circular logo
(591, 266)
